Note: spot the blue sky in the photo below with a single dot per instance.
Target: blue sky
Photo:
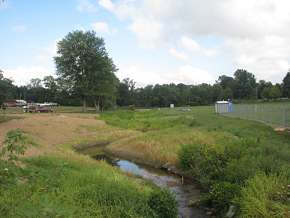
(152, 41)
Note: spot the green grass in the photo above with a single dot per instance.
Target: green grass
(7, 118)
(99, 190)
(270, 113)
(240, 161)
(255, 147)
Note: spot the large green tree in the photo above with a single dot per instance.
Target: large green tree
(242, 81)
(83, 66)
(286, 85)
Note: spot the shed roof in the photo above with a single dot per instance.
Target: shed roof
(222, 102)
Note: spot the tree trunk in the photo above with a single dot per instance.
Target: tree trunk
(84, 105)
(97, 105)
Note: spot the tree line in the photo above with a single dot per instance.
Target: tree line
(86, 76)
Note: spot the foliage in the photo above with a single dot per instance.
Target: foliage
(224, 168)
(163, 203)
(15, 145)
(265, 196)
(220, 195)
(46, 208)
(100, 88)
(131, 107)
(286, 85)
(84, 68)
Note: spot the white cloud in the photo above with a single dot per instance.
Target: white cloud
(145, 76)
(85, 5)
(193, 46)
(267, 58)
(193, 75)
(52, 48)
(283, 64)
(148, 30)
(22, 75)
(100, 26)
(190, 44)
(41, 58)
(107, 4)
(20, 28)
(103, 27)
(180, 55)
(141, 76)
(211, 53)
(122, 9)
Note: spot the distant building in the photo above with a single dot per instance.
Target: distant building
(223, 107)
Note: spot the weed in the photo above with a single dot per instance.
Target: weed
(163, 203)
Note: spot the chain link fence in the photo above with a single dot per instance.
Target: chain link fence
(278, 115)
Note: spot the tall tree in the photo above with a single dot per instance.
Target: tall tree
(81, 64)
(241, 78)
(286, 85)
(34, 83)
(2, 89)
(216, 92)
(225, 81)
(275, 92)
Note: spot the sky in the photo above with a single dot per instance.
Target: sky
(152, 41)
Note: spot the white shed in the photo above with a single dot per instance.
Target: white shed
(222, 107)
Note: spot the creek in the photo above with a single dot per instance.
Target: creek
(185, 192)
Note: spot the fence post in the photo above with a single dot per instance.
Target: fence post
(244, 111)
(262, 114)
(255, 112)
(286, 117)
(281, 116)
(270, 117)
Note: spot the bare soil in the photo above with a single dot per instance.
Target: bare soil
(48, 130)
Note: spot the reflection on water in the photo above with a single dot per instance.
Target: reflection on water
(158, 176)
(109, 160)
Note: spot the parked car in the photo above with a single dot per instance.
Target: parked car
(12, 104)
(29, 108)
(43, 109)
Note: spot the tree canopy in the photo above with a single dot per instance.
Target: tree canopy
(84, 68)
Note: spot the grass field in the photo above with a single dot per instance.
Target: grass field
(271, 113)
(229, 155)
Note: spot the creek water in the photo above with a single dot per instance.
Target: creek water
(162, 178)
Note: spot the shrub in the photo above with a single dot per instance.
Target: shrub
(131, 107)
(265, 196)
(163, 203)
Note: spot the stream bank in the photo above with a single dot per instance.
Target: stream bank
(166, 176)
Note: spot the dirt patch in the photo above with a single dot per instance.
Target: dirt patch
(280, 129)
(172, 183)
(48, 130)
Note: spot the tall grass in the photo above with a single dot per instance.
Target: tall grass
(227, 151)
(97, 189)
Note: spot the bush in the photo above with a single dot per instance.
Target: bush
(131, 107)
(163, 203)
(265, 196)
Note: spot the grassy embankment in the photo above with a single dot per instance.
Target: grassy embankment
(240, 162)
(66, 184)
